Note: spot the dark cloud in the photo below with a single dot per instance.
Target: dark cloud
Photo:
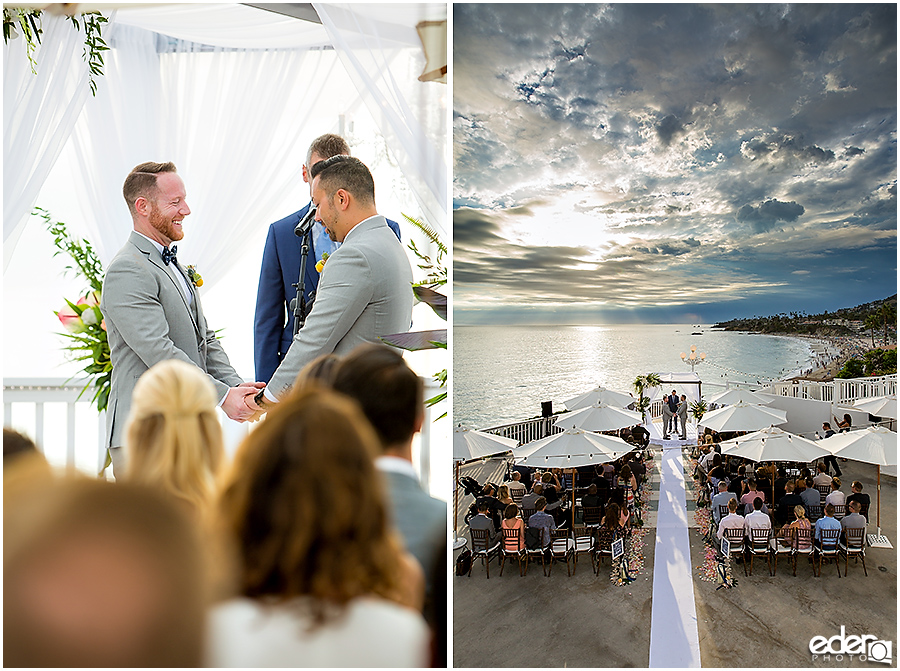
(767, 215)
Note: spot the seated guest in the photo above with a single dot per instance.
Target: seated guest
(780, 482)
(827, 521)
(529, 501)
(551, 491)
(836, 497)
(483, 522)
(721, 499)
(515, 485)
(392, 398)
(319, 566)
(752, 493)
(854, 520)
(503, 495)
(638, 467)
(496, 508)
(706, 461)
(717, 472)
(616, 517)
(858, 495)
(731, 521)
(591, 499)
(319, 371)
(737, 483)
(511, 520)
(541, 520)
(822, 478)
(784, 511)
(173, 439)
(809, 493)
(799, 523)
(757, 519)
(101, 575)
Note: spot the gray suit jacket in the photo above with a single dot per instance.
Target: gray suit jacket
(420, 519)
(148, 320)
(364, 292)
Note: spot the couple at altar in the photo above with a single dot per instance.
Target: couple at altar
(153, 310)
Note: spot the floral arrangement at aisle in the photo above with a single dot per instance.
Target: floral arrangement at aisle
(83, 320)
(714, 567)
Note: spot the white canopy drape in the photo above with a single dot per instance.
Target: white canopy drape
(39, 111)
(223, 91)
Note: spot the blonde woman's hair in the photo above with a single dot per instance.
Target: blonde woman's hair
(503, 492)
(800, 512)
(173, 437)
(306, 509)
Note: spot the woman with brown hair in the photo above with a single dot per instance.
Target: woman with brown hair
(322, 579)
(173, 438)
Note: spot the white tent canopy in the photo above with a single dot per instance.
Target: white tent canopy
(684, 383)
(215, 88)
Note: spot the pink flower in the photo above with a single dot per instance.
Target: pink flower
(70, 320)
(91, 299)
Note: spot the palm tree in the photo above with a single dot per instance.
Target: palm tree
(642, 382)
(888, 314)
(871, 323)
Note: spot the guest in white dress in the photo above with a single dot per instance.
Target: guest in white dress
(322, 578)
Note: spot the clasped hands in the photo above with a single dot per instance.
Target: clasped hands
(239, 404)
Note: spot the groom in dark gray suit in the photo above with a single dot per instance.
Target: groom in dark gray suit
(365, 290)
(392, 398)
(152, 308)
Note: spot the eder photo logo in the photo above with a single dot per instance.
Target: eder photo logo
(863, 648)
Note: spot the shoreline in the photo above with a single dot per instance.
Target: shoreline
(830, 356)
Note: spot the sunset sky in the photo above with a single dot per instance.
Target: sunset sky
(672, 163)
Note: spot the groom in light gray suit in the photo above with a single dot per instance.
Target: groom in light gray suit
(152, 309)
(392, 398)
(365, 287)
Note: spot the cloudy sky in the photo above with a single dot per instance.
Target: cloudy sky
(672, 163)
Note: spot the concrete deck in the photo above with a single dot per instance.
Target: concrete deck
(586, 621)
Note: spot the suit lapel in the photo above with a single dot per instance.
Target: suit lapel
(152, 254)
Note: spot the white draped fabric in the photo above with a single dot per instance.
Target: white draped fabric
(403, 107)
(39, 112)
(229, 113)
(230, 120)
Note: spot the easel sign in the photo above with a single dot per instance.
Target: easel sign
(618, 548)
(726, 547)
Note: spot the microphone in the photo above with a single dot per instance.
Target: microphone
(305, 223)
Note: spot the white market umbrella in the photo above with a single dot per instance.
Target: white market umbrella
(742, 417)
(774, 444)
(732, 396)
(572, 448)
(599, 417)
(882, 406)
(469, 444)
(873, 445)
(599, 395)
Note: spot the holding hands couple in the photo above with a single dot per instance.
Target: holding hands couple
(153, 311)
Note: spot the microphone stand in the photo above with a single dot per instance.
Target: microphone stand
(303, 229)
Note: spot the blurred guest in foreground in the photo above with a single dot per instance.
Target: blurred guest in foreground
(392, 397)
(173, 440)
(97, 574)
(323, 581)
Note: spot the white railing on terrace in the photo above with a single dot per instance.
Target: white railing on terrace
(839, 392)
(528, 430)
(71, 433)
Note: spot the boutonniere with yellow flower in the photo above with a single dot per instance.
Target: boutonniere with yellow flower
(321, 264)
(194, 277)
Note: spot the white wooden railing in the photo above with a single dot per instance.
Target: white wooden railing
(837, 391)
(49, 411)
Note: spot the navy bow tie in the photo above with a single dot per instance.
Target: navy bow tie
(168, 255)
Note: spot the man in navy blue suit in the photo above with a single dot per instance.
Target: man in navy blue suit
(273, 329)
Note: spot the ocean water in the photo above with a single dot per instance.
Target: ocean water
(501, 374)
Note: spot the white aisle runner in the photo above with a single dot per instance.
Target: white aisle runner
(674, 641)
